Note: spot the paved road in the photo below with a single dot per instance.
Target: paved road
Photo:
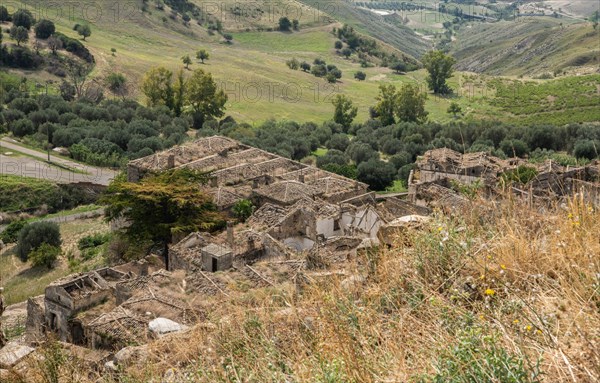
(30, 167)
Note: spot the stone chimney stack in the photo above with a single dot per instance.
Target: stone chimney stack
(230, 234)
(171, 161)
(255, 183)
(214, 182)
(301, 178)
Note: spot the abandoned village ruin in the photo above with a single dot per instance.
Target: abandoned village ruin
(304, 218)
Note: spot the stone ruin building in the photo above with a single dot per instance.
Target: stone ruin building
(299, 207)
(438, 172)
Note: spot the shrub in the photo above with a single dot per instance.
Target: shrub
(23, 18)
(11, 232)
(587, 149)
(479, 358)
(44, 29)
(376, 173)
(45, 255)
(34, 235)
(22, 127)
(360, 76)
(93, 240)
(522, 174)
(243, 209)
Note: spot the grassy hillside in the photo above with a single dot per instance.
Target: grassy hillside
(528, 47)
(21, 280)
(253, 73)
(387, 29)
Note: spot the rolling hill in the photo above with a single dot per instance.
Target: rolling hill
(253, 70)
(528, 47)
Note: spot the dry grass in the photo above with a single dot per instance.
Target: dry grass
(495, 291)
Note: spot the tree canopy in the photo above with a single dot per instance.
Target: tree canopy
(410, 104)
(162, 205)
(345, 112)
(440, 68)
(203, 96)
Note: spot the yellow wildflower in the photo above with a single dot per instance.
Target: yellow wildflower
(528, 328)
(516, 321)
(570, 216)
(503, 267)
(490, 292)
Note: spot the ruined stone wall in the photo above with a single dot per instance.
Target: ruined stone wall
(182, 260)
(36, 319)
(60, 296)
(133, 173)
(57, 319)
(91, 299)
(433, 176)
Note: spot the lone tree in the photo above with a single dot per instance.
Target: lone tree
(202, 55)
(399, 67)
(187, 61)
(360, 76)
(203, 96)
(83, 30)
(117, 83)
(454, 109)
(162, 205)
(19, 34)
(347, 52)
(284, 24)
(228, 38)
(410, 104)
(440, 67)
(23, 18)
(54, 43)
(44, 29)
(344, 112)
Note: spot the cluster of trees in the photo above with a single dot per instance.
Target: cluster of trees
(319, 69)
(197, 96)
(364, 47)
(406, 104)
(285, 24)
(21, 56)
(39, 242)
(106, 134)
(378, 154)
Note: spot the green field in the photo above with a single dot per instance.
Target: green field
(260, 86)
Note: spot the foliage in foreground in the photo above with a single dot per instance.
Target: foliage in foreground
(500, 293)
